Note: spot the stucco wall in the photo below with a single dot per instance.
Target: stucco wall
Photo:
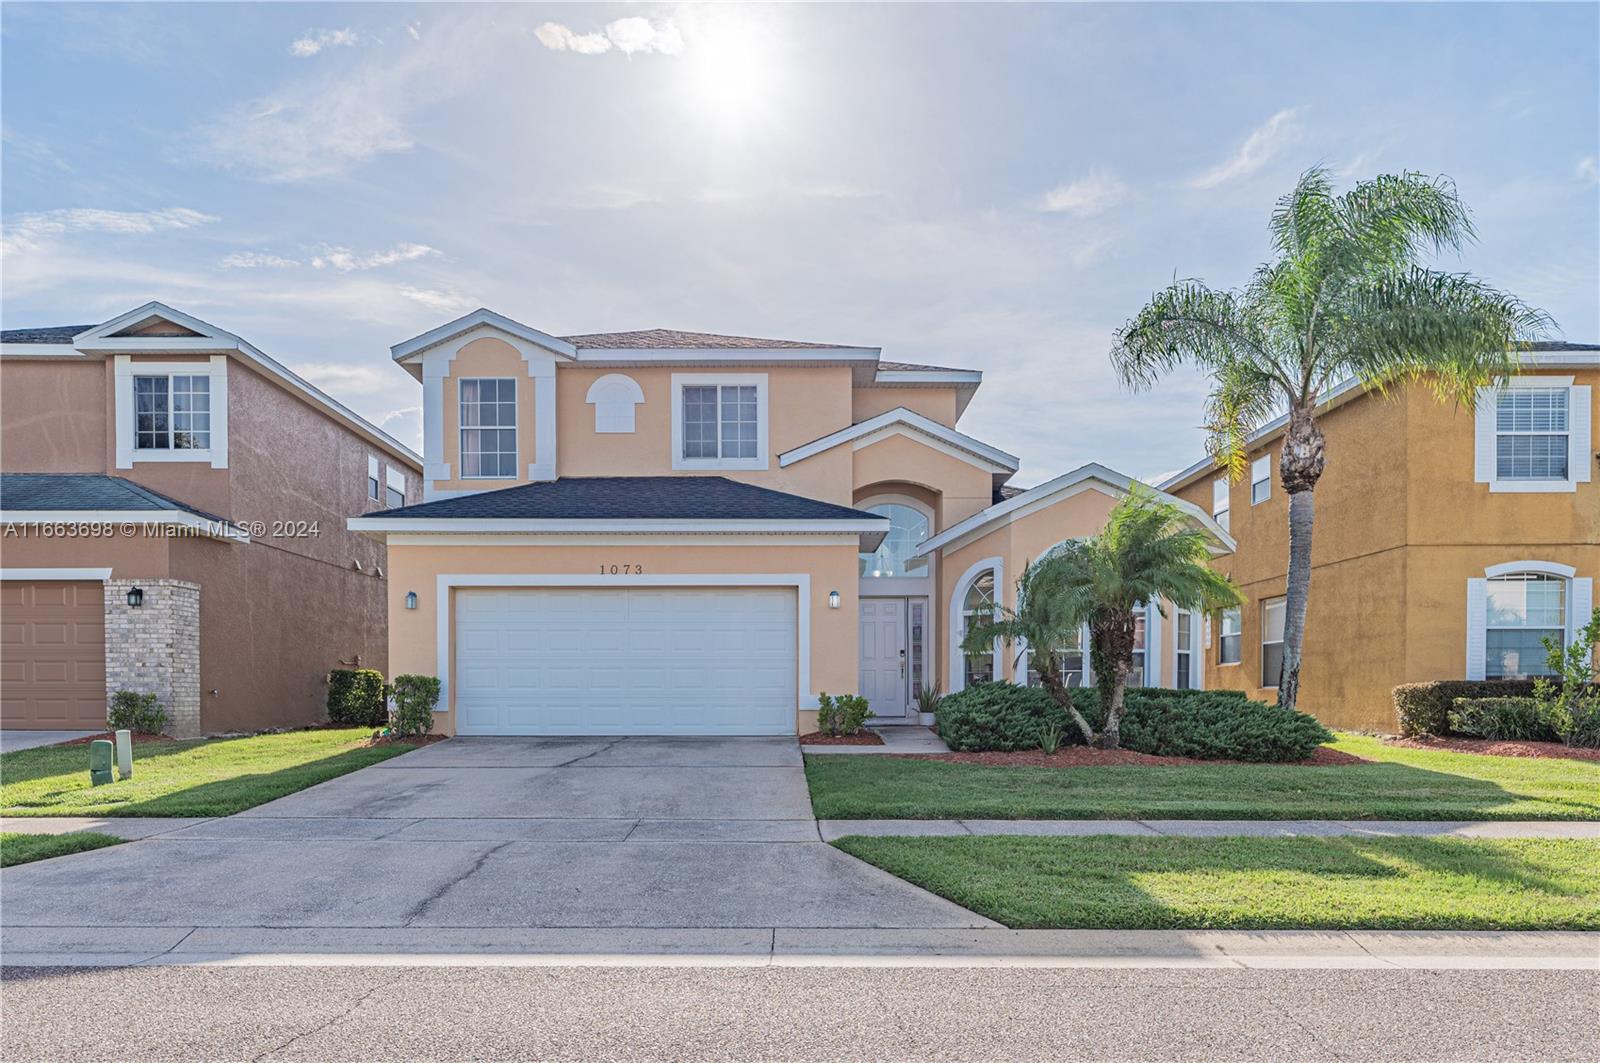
(487, 357)
(413, 633)
(53, 415)
(963, 489)
(938, 404)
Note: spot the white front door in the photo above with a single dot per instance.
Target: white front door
(635, 661)
(883, 656)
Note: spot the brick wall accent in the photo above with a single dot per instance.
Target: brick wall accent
(155, 649)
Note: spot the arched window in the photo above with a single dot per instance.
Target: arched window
(907, 528)
(1522, 609)
(978, 604)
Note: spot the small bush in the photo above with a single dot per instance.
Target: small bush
(132, 711)
(1500, 719)
(843, 715)
(1206, 724)
(1424, 708)
(356, 698)
(415, 698)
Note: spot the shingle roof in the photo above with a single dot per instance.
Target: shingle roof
(913, 367)
(46, 334)
(631, 498)
(82, 492)
(666, 337)
(1563, 345)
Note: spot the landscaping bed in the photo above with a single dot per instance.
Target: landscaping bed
(1492, 748)
(823, 738)
(1254, 883)
(200, 777)
(26, 848)
(1398, 782)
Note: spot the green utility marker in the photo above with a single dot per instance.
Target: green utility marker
(99, 762)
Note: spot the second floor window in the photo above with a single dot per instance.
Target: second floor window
(1531, 434)
(172, 412)
(907, 528)
(489, 428)
(720, 421)
(1219, 501)
(1261, 479)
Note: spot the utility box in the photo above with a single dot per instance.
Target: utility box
(124, 754)
(99, 762)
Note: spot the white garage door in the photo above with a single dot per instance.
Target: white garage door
(640, 661)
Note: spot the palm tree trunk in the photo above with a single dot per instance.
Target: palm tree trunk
(1300, 466)
(1111, 732)
(1050, 677)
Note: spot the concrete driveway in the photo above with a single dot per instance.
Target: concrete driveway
(499, 833)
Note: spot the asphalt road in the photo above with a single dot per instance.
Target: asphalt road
(490, 1013)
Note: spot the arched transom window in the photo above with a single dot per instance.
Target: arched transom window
(907, 528)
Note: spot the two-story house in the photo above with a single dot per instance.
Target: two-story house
(1448, 543)
(663, 532)
(172, 521)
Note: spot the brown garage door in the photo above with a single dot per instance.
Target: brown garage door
(52, 654)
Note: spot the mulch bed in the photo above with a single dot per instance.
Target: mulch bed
(818, 738)
(419, 740)
(1084, 757)
(1490, 748)
(139, 738)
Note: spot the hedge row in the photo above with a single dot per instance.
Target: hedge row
(1207, 724)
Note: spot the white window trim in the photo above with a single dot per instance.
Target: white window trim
(1261, 472)
(614, 398)
(374, 485)
(1222, 634)
(957, 623)
(1152, 644)
(215, 369)
(720, 380)
(1580, 605)
(444, 605)
(516, 428)
(74, 574)
(1579, 453)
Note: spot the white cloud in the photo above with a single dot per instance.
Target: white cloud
(28, 231)
(315, 41)
(257, 260)
(345, 260)
(440, 300)
(1589, 169)
(416, 34)
(1258, 148)
(1094, 194)
(627, 35)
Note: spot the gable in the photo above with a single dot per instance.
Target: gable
(156, 325)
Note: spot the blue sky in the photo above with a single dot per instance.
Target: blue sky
(994, 186)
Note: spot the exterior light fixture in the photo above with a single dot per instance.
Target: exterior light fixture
(833, 599)
(135, 597)
(411, 599)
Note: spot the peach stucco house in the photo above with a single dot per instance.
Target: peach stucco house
(664, 532)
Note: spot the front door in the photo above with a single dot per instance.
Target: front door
(884, 661)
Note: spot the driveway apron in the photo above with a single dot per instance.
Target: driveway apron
(501, 832)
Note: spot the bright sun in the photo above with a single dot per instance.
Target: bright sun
(732, 75)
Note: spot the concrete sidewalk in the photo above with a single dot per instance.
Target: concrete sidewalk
(1208, 828)
(104, 946)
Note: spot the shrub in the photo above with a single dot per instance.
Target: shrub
(1569, 700)
(1207, 724)
(843, 715)
(132, 711)
(1424, 708)
(1500, 719)
(415, 698)
(356, 698)
(928, 698)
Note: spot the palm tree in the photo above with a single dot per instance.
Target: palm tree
(1147, 552)
(1346, 295)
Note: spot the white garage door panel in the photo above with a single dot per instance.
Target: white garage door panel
(625, 661)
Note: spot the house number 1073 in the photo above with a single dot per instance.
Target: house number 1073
(621, 570)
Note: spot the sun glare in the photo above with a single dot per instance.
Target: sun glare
(732, 75)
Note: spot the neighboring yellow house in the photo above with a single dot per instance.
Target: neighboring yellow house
(663, 532)
(1447, 543)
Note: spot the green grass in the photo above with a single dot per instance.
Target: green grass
(1404, 784)
(26, 848)
(1254, 883)
(203, 777)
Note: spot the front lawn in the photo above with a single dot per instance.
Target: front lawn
(26, 848)
(201, 777)
(1254, 883)
(1402, 784)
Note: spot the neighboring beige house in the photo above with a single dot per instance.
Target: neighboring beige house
(666, 532)
(172, 520)
(1448, 542)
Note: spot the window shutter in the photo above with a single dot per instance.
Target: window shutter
(1477, 610)
(1483, 466)
(1582, 606)
(1578, 454)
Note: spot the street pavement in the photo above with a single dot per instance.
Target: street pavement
(627, 1013)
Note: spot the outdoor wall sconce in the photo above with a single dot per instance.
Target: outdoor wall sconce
(135, 597)
(411, 599)
(833, 599)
